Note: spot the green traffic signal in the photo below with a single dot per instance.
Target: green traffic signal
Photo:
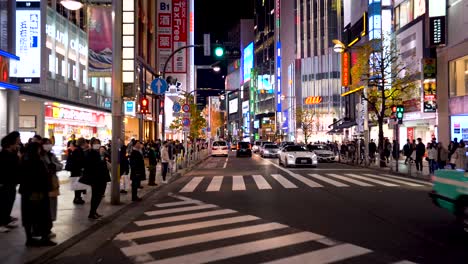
(219, 51)
(399, 115)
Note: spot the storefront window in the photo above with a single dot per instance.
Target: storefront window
(459, 77)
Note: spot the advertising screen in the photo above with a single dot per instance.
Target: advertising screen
(233, 106)
(459, 128)
(265, 83)
(28, 43)
(247, 62)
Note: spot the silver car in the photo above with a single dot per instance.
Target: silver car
(269, 150)
(323, 152)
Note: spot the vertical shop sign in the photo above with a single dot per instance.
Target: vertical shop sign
(437, 15)
(28, 42)
(100, 39)
(410, 133)
(429, 84)
(164, 36)
(180, 35)
(278, 77)
(345, 69)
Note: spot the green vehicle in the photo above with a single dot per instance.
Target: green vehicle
(450, 191)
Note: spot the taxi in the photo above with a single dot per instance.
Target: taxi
(450, 192)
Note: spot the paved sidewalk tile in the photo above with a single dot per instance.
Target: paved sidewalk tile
(71, 220)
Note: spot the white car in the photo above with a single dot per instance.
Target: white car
(269, 150)
(323, 152)
(295, 155)
(219, 148)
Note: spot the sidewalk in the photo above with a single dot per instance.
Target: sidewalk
(408, 170)
(71, 220)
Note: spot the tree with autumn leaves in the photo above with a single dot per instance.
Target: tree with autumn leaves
(382, 79)
(197, 121)
(308, 121)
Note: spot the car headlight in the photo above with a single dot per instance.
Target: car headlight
(266, 151)
(290, 156)
(314, 156)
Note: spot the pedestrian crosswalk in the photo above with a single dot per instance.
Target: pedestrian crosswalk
(258, 182)
(190, 231)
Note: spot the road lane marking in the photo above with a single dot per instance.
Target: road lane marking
(191, 185)
(326, 255)
(408, 179)
(262, 184)
(346, 179)
(298, 177)
(187, 227)
(176, 203)
(184, 217)
(241, 249)
(203, 238)
(238, 183)
(215, 184)
(181, 209)
(404, 262)
(372, 180)
(225, 163)
(394, 180)
(328, 180)
(283, 181)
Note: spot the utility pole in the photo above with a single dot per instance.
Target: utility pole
(116, 100)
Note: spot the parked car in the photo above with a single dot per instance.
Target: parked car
(244, 149)
(323, 152)
(219, 148)
(450, 193)
(296, 155)
(269, 150)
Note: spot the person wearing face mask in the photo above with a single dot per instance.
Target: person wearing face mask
(53, 165)
(137, 169)
(75, 163)
(9, 178)
(96, 174)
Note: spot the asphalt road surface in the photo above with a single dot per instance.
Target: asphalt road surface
(250, 210)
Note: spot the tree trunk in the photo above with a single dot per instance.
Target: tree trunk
(381, 144)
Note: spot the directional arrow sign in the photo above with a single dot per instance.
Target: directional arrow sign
(159, 86)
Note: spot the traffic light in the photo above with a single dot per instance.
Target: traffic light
(144, 103)
(219, 51)
(161, 107)
(394, 110)
(399, 113)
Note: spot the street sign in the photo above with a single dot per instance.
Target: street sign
(159, 86)
(186, 122)
(176, 107)
(176, 114)
(186, 115)
(206, 45)
(186, 108)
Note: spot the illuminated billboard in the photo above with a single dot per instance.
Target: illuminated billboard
(247, 62)
(265, 83)
(27, 43)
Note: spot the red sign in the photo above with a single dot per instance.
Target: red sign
(311, 100)
(345, 69)
(410, 133)
(179, 34)
(59, 112)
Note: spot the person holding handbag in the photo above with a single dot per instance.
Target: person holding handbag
(76, 166)
(53, 165)
(96, 174)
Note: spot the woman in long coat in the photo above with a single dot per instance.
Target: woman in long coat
(34, 188)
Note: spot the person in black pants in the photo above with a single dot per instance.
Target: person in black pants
(153, 162)
(420, 151)
(96, 174)
(165, 159)
(137, 171)
(75, 164)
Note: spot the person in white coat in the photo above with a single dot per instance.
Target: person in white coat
(432, 157)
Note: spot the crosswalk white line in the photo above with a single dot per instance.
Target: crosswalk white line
(371, 180)
(190, 187)
(404, 262)
(238, 183)
(171, 219)
(215, 184)
(408, 179)
(283, 181)
(305, 180)
(187, 227)
(325, 255)
(163, 205)
(328, 180)
(262, 184)
(394, 180)
(241, 249)
(180, 209)
(207, 237)
(346, 179)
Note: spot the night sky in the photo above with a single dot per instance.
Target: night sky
(216, 17)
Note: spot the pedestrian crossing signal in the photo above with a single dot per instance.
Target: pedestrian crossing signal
(144, 106)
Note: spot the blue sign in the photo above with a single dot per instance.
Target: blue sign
(176, 107)
(186, 122)
(247, 62)
(159, 86)
(129, 108)
(278, 77)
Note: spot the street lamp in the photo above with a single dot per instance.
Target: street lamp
(71, 4)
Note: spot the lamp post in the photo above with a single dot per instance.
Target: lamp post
(340, 48)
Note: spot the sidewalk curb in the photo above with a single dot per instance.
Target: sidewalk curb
(60, 248)
(423, 177)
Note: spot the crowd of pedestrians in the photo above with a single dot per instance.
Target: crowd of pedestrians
(34, 168)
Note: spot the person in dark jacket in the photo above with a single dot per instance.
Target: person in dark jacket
(76, 159)
(96, 174)
(9, 178)
(407, 151)
(153, 162)
(137, 169)
(124, 168)
(420, 151)
(35, 185)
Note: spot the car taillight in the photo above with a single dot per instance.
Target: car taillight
(213, 148)
(224, 148)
